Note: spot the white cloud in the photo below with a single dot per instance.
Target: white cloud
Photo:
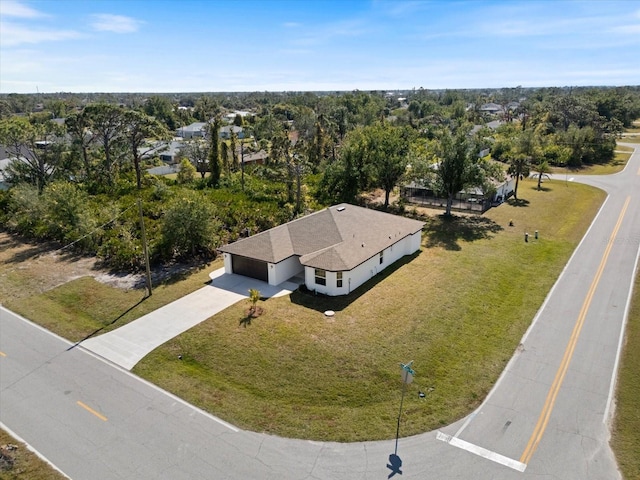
(11, 8)
(291, 24)
(106, 22)
(625, 29)
(13, 34)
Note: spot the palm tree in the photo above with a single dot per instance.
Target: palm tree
(254, 296)
(518, 167)
(543, 170)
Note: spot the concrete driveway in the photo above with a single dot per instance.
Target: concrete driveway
(128, 344)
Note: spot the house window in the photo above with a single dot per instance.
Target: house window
(339, 279)
(381, 257)
(321, 277)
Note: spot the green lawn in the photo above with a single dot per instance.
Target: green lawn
(458, 309)
(85, 306)
(630, 138)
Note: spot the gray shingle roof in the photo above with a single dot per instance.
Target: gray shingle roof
(336, 239)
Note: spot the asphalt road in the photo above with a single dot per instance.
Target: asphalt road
(546, 417)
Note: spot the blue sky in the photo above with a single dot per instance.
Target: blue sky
(257, 45)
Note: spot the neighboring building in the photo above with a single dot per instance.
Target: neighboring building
(225, 132)
(198, 129)
(4, 162)
(491, 108)
(336, 249)
(167, 152)
(230, 117)
(471, 199)
(8, 155)
(250, 158)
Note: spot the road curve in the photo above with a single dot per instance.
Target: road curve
(545, 418)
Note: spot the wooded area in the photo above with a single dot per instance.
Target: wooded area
(76, 164)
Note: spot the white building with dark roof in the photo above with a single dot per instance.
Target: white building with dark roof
(336, 249)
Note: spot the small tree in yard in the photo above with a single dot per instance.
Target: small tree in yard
(543, 170)
(187, 172)
(254, 296)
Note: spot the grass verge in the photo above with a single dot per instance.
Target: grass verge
(26, 464)
(625, 439)
(85, 307)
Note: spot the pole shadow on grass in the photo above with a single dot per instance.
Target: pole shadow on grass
(110, 323)
(321, 303)
(446, 231)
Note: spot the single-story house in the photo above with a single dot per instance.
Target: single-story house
(335, 250)
(250, 158)
(491, 108)
(195, 130)
(225, 132)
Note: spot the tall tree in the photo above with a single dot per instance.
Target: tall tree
(224, 155)
(519, 166)
(106, 123)
(197, 151)
(454, 170)
(234, 150)
(78, 128)
(162, 109)
(387, 150)
(139, 128)
(36, 150)
(214, 152)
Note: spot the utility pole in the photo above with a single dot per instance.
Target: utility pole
(144, 249)
(242, 161)
(407, 377)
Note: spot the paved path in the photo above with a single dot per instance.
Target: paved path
(130, 343)
(547, 417)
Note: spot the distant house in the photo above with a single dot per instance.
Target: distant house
(259, 157)
(491, 108)
(335, 250)
(4, 162)
(198, 129)
(170, 154)
(471, 199)
(167, 152)
(9, 155)
(230, 117)
(225, 132)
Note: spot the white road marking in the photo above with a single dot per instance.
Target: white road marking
(482, 452)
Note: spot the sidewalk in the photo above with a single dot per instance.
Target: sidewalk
(128, 344)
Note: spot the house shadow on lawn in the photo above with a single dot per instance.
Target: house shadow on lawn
(447, 231)
(322, 303)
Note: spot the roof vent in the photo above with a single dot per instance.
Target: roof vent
(340, 209)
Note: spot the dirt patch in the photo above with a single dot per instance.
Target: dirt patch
(29, 268)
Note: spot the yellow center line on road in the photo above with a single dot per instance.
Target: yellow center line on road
(91, 410)
(2, 354)
(543, 420)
